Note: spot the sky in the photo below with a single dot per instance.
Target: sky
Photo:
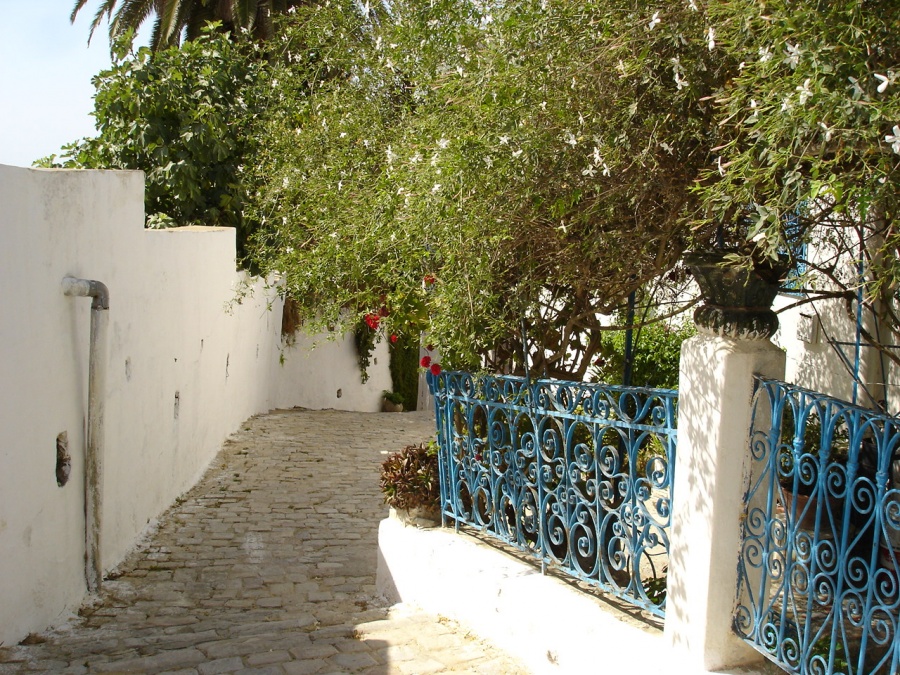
(46, 67)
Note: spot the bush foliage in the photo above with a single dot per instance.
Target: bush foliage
(409, 478)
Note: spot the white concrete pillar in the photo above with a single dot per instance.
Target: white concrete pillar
(712, 463)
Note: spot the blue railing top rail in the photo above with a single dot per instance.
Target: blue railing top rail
(825, 399)
(857, 424)
(617, 405)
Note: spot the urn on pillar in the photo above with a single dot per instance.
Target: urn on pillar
(737, 297)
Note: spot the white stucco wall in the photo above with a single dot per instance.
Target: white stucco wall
(174, 329)
(819, 340)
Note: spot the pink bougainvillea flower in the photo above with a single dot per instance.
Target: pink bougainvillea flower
(425, 362)
(435, 369)
(393, 339)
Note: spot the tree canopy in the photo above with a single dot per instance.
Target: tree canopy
(498, 174)
(183, 117)
(470, 169)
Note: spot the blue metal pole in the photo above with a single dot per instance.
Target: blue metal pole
(629, 342)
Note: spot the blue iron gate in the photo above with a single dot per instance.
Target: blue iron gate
(818, 576)
(577, 475)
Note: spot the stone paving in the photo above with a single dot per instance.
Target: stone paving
(267, 566)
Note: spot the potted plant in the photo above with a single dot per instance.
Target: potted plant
(738, 288)
(411, 487)
(391, 401)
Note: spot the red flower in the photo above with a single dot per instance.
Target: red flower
(429, 348)
(429, 279)
(425, 362)
(384, 311)
(435, 368)
(477, 456)
(393, 339)
(372, 321)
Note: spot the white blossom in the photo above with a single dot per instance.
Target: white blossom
(391, 156)
(857, 90)
(571, 140)
(827, 130)
(654, 21)
(589, 170)
(765, 54)
(489, 161)
(786, 104)
(894, 139)
(598, 159)
(753, 116)
(885, 80)
(504, 140)
(443, 143)
(668, 148)
(792, 55)
(605, 169)
(680, 82)
(711, 38)
(516, 153)
(435, 188)
(805, 91)
(693, 5)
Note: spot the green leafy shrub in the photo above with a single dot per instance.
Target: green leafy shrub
(405, 368)
(657, 354)
(409, 478)
(394, 397)
(182, 116)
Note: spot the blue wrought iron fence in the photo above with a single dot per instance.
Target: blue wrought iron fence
(577, 475)
(818, 587)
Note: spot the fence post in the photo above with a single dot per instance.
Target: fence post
(712, 464)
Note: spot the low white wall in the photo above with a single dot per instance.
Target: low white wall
(549, 625)
(185, 366)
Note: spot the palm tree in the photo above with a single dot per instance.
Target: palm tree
(177, 19)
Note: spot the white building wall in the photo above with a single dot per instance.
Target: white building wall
(186, 364)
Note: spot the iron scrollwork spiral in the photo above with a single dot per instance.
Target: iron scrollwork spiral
(577, 475)
(818, 587)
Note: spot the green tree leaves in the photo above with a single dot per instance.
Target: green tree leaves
(182, 116)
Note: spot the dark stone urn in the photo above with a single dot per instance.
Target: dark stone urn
(737, 298)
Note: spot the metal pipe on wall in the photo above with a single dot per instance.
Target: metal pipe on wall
(93, 459)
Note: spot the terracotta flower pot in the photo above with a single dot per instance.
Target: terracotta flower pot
(418, 517)
(387, 406)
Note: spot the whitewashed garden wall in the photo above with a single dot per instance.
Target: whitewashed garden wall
(186, 364)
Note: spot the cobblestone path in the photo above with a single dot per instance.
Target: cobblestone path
(267, 566)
